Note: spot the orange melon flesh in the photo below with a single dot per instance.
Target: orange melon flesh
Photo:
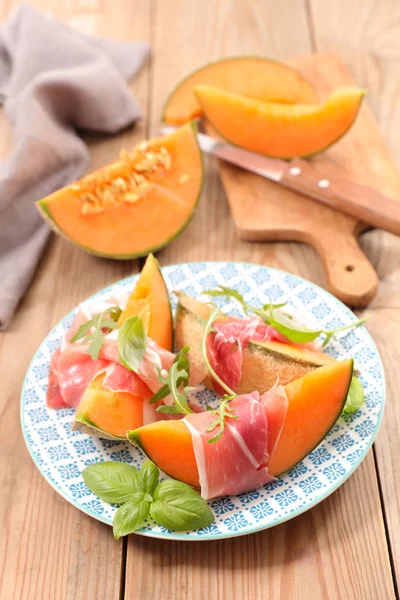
(150, 300)
(315, 403)
(113, 413)
(131, 229)
(255, 77)
(169, 445)
(278, 130)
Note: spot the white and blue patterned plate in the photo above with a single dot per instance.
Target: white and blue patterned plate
(61, 454)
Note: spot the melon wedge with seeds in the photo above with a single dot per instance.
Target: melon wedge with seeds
(253, 76)
(135, 205)
(279, 130)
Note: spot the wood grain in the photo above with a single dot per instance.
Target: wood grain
(372, 53)
(313, 555)
(49, 550)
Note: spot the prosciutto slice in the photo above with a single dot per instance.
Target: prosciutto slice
(225, 346)
(72, 368)
(238, 461)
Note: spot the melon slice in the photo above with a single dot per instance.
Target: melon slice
(279, 130)
(316, 402)
(252, 76)
(262, 362)
(108, 414)
(150, 300)
(169, 445)
(134, 205)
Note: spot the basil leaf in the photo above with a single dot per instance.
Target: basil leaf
(355, 397)
(130, 517)
(293, 332)
(112, 481)
(178, 507)
(149, 475)
(132, 343)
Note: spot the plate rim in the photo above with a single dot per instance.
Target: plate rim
(249, 529)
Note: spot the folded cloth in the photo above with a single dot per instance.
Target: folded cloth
(54, 81)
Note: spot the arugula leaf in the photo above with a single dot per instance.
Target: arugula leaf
(97, 324)
(112, 481)
(293, 332)
(178, 507)
(149, 475)
(355, 397)
(223, 412)
(177, 377)
(332, 332)
(281, 322)
(132, 343)
(222, 290)
(130, 517)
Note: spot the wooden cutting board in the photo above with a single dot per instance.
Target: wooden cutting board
(263, 210)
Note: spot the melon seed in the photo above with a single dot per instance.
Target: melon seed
(184, 178)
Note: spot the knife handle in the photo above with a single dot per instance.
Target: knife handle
(358, 201)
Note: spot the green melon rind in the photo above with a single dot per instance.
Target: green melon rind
(330, 427)
(310, 154)
(44, 210)
(226, 59)
(134, 438)
(85, 425)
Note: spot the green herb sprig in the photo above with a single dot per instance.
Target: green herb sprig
(93, 330)
(177, 377)
(172, 504)
(224, 411)
(281, 322)
(132, 343)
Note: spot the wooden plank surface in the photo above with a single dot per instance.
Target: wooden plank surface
(49, 550)
(276, 563)
(372, 53)
(338, 549)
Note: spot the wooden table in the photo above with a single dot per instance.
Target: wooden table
(348, 546)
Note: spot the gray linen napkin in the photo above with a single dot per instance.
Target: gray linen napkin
(53, 82)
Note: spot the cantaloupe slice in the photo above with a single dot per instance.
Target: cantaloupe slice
(169, 445)
(315, 403)
(134, 205)
(108, 414)
(262, 362)
(252, 76)
(279, 130)
(150, 300)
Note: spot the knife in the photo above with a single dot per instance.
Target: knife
(298, 174)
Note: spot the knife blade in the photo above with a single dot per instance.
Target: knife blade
(298, 174)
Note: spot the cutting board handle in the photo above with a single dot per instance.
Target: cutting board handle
(350, 275)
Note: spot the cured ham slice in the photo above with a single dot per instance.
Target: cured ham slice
(238, 461)
(225, 346)
(72, 368)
